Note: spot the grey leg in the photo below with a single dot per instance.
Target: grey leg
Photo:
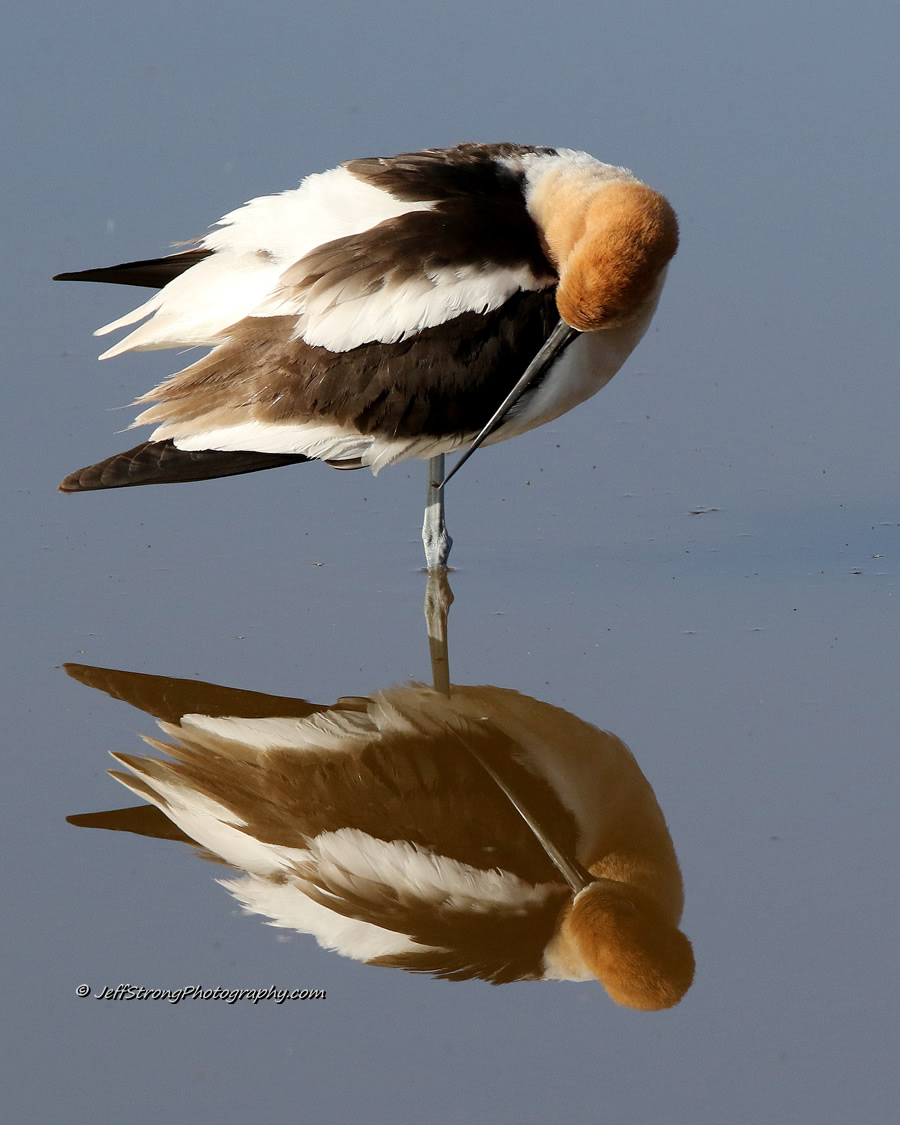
(434, 530)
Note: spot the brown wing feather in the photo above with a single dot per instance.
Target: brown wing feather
(446, 379)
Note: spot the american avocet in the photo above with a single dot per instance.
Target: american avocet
(391, 308)
(476, 834)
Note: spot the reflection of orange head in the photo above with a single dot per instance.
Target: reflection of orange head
(642, 960)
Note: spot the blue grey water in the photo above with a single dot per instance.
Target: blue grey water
(703, 560)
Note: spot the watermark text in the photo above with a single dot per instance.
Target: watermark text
(195, 992)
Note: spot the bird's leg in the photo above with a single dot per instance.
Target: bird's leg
(434, 530)
(438, 599)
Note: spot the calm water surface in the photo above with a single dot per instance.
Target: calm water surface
(702, 561)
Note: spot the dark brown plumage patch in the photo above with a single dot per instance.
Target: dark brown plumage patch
(469, 170)
(457, 234)
(153, 273)
(445, 380)
(160, 462)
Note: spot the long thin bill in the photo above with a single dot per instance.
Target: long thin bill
(577, 876)
(561, 336)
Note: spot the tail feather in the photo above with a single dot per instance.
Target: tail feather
(154, 273)
(144, 820)
(161, 462)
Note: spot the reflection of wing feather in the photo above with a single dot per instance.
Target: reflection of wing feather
(429, 789)
(470, 923)
(165, 697)
(491, 947)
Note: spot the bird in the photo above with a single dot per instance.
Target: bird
(397, 307)
(475, 834)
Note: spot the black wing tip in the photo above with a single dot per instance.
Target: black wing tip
(103, 273)
(111, 473)
(72, 483)
(151, 273)
(162, 462)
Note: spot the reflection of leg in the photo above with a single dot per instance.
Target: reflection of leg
(438, 599)
(434, 530)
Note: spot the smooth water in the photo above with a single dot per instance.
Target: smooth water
(703, 561)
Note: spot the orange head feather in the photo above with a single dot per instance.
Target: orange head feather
(610, 242)
(642, 959)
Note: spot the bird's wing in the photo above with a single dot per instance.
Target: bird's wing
(378, 306)
(371, 251)
(266, 389)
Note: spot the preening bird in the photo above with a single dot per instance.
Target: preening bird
(409, 306)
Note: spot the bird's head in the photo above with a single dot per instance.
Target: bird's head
(610, 241)
(641, 958)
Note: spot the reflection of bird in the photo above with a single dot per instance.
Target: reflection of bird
(379, 826)
(385, 309)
